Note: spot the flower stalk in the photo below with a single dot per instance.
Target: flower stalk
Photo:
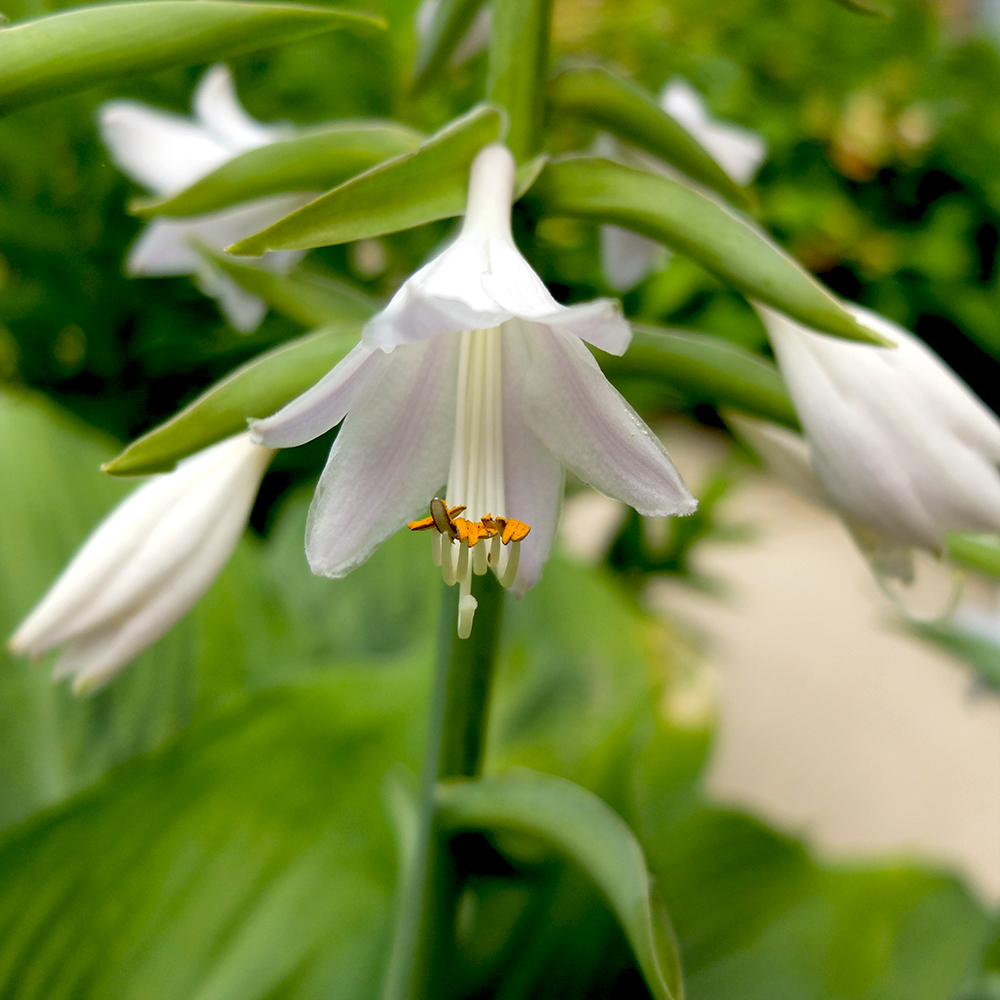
(456, 746)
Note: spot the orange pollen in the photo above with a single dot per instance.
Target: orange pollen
(444, 520)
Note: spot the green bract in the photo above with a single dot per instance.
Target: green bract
(71, 50)
(737, 250)
(255, 390)
(407, 191)
(315, 160)
(632, 114)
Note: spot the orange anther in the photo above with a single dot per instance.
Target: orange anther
(477, 530)
(422, 525)
(514, 531)
(442, 518)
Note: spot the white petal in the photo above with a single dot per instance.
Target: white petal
(785, 453)
(739, 151)
(326, 403)
(533, 476)
(587, 424)
(627, 257)
(902, 446)
(243, 310)
(481, 280)
(164, 152)
(95, 657)
(220, 113)
(143, 539)
(390, 457)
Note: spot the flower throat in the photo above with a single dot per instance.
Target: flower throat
(486, 538)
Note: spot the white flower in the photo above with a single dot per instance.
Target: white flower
(475, 376)
(166, 153)
(627, 257)
(146, 564)
(904, 450)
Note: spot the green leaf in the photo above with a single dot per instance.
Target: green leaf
(869, 7)
(229, 866)
(451, 20)
(307, 297)
(579, 826)
(735, 249)
(706, 368)
(315, 160)
(407, 191)
(75, 49)
(631, 113)
(519, 69)
(978, 552)
(975, 650)
(255, 390)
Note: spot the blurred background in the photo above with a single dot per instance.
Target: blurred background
(772, 653)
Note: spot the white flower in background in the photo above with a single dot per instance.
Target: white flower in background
(146, 564)
(904, 450)
(473, 41)
(473, 376)
(627, 257)
(167, 153)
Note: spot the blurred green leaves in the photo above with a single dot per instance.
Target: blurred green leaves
(64, 52)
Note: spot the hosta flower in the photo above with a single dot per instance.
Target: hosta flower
(904, 450)
(627, 257)
(473, 376)
(146, 564)
(167, 153)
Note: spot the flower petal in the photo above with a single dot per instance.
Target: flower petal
(533, 476)
(627, 257)
(220, 113)
(587, 424)
(97, 656)
(161, 151)
(902, 446)
(390, 457)
(166, 246)
(242, 309)
(326, 403)
(739, 151)
(162, 524)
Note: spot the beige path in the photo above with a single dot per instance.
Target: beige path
(832, 724)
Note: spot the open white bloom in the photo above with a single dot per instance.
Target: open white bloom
(904, 450)
(146, 564)
(474, 376)
(627, 257)
(167, 153)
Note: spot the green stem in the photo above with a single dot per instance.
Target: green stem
(455, 748)
(519, 70)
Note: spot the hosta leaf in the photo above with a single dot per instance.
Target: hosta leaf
(74, 49)
(255, 390)
(629, 112)
(309, 298)
(251, 859)
(316, 160)
(731, 246)
(978, 552)
(407, 191)
(451, 20)
(706, 368)
(579, 826)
